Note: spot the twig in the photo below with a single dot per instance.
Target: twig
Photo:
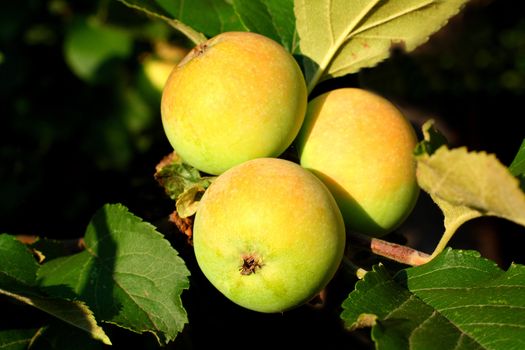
(392, 251)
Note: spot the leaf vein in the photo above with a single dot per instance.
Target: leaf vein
(421, 325)
(467, 288)
(445, 268)
(481, 306)
(331, 31)
(494, 324)
(393, 17)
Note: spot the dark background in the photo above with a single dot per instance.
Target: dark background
(71, 143)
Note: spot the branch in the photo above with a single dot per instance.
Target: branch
(389, 250)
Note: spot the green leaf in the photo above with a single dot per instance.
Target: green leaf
(456, 301)
(89, 44)
(59, 336)
(76, 313)
(16, 339)
(339, 37)
(283, 18)
(208, 16)
(18, 271)
(272, 18)
(192, 18)
(467, 185)
(152, 8)
(18, 267)
(182, 183)
(517, 167)
(128, 274)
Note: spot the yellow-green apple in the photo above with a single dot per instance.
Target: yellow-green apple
(268, 235)
(156, 66)
(236, 97)
(157, 71)
(360, 145)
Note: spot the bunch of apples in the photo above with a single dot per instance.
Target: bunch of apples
(270, 233)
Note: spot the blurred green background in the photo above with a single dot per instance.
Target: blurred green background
(81, 124)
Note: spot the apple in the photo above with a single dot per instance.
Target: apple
(268, 235)
(152, 75)
(157, 71)
(156, 66)
(360, 145)
(236, 97)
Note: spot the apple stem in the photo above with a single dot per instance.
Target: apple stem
(392, 251)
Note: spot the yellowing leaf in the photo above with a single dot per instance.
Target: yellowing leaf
(473, 179)
(432, 139)
(182, 182)
(466, 185)
(188, 201)
(339, 37)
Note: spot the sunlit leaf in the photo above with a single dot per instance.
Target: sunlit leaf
(283, 18)
(456, 301)
(339, 37)
(60, 336)
(432, 139)
(128, 274)
(272, 18)
(18, 270)
(467, 185)
(188, 201)
(75, 313)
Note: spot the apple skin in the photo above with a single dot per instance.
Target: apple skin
(236, 97)
(361, 146)
(281, 215)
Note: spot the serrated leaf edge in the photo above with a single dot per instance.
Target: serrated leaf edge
(184, 282)
(323, 72)
(364, 319)
(96, 331)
